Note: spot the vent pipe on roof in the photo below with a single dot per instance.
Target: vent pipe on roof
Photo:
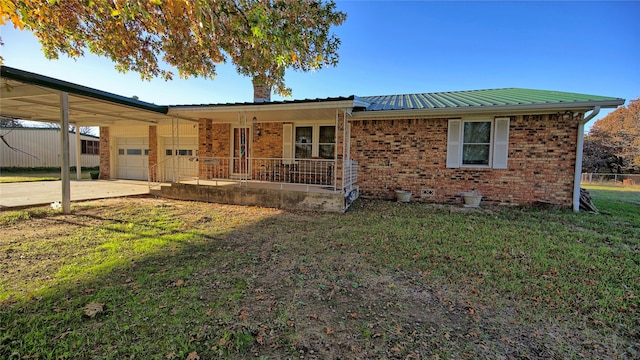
(578, 168)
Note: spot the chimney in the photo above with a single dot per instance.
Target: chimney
(261, 92)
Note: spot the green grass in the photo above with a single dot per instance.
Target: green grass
(12, 175)
(385, 280)
(616, 193)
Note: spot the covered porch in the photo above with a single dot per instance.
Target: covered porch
(291, 155)
(281, 183)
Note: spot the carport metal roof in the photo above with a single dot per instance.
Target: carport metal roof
(29, 96)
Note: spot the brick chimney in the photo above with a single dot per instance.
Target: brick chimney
(261, 92)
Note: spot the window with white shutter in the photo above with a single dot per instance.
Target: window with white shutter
(453, 143)
(501, 143)
(478, 143)
(287, 143)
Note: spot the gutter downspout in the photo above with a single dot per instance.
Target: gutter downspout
(578, 167)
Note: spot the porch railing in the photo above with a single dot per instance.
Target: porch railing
(173, 170)
(308, 172)
(312, 172)
(350, 174)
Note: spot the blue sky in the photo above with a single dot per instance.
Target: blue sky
(401, 47)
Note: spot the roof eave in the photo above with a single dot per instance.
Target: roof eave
(182, 109)
(60, 85)
(493, 110)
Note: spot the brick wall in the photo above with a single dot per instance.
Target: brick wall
(105, 154)
(213, 142)
(339, 151)
(205, 138)
(153, 152)
(261, 92)
(411, 155)
(269, 143)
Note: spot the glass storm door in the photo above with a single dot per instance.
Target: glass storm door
(240, 146)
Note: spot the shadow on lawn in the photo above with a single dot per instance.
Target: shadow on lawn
(272, 285)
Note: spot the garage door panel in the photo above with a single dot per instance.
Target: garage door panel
(133, 160)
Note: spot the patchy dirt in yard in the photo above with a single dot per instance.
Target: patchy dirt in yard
(296, 292)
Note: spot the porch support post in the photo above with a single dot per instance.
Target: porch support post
(78, 151)
(64, 142)
(335, 172)
(178, 152)
(173, 149)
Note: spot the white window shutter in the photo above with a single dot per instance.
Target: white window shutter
(287, 143)
(454, 143)
(501, 143)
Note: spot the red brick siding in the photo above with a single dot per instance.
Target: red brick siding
(261, 92)
(213, 142)
(221, 136)
(205, 138)
(105, 154)
(269, 143)
(411, 155)
(153, 152)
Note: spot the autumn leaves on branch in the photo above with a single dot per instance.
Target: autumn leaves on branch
(262, 38)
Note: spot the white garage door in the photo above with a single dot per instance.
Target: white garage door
(133, 158)
(184, 164)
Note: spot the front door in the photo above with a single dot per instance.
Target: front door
(240, 147)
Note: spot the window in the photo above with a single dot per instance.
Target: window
(478, 143)
(315, 141)
(134, 151)
(181, 152)
(304, 142)
(90, 147)
(327, 142)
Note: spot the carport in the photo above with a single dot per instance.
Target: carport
(29, 96)
(17, 195)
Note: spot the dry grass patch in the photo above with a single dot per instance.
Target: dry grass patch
(165, 279)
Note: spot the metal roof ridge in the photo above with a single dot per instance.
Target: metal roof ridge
(489, 90)
(267, 103)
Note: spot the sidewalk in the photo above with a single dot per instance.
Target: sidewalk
(46, 192)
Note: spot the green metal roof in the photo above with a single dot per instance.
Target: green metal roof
(509, 97)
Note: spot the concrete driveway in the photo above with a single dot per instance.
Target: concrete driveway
(46, 192)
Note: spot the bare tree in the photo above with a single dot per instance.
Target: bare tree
(84, 130)
(6, 122)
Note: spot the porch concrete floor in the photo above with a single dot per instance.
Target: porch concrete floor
(45, 192)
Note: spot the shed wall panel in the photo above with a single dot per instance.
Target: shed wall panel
(39, 148)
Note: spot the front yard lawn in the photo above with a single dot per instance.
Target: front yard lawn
(15, 175)
(149, 278)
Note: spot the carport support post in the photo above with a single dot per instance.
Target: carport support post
(64, 168)
(78, 151)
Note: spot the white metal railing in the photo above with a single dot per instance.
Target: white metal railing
(349, 174)
(312, 172)
(173, 170)
(153, 179)
(627, 179)
(308, 172)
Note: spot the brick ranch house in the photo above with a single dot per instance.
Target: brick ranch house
(512, 146)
